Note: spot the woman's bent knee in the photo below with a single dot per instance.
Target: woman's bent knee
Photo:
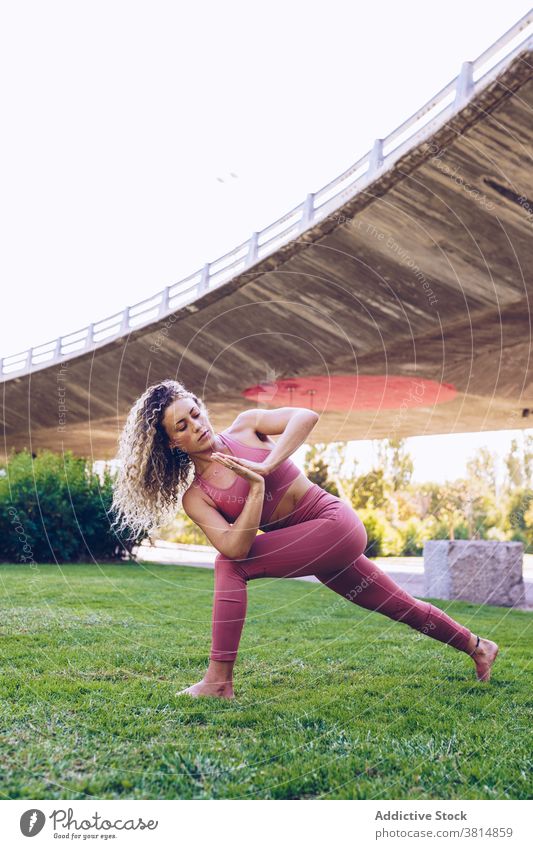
(226, 565)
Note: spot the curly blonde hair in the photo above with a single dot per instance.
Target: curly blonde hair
(152, 476)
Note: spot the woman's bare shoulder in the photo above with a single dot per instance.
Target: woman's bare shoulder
(248, 435)
(195, 493)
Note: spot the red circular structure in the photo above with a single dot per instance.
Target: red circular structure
(352, 392)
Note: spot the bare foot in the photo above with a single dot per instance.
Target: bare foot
(205, 688)
(484, 656)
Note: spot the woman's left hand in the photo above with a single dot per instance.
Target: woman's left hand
(262, 469)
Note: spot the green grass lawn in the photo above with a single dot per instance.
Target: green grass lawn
(332, 701)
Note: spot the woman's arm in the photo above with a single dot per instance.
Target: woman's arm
(233, 541)
(297, 429)
(245, 527)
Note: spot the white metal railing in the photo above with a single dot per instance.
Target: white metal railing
(452, 98)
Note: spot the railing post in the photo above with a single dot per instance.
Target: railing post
(165, 301)
(125, 326)
(252, 249)
(203, 285)
(90, 336)
(376, 157)
(57, 350)
(307, 211)
(465, 85)
(29, 354)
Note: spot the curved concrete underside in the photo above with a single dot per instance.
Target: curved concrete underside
(415, 276)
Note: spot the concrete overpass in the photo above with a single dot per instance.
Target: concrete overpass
(394, 301)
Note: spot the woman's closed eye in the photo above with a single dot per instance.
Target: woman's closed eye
(185, 428)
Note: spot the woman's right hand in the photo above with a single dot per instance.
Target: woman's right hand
(231, 463)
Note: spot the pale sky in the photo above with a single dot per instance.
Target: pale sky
(427, 453)
(124, 123)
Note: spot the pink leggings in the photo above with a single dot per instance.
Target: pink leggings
(325, 538)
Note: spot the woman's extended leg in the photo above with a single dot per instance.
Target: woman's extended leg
(364, 583)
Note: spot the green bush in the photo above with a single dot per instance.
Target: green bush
(442, 531)
(517, 522)
(376, 530)
(412, 536)
(392, 542)
(54, 507)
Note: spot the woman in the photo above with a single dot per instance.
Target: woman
(243, 482)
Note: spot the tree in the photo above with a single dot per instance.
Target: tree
(519, 514)
(317, 470)
(514, 467)
(446, 504)
(396, 462)
(481, 470)
(336, 457)
(519, 463)
(370, 490)
(527, 454)
(480, 507)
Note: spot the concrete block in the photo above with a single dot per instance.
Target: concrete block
(481, 571)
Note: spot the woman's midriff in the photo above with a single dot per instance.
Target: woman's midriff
(289, 500)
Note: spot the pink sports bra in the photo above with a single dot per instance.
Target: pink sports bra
(230, 500)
